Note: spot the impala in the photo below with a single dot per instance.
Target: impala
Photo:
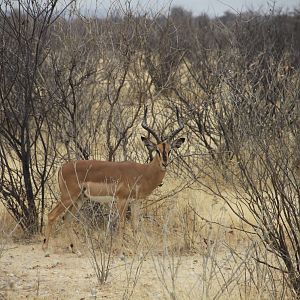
(122, 182)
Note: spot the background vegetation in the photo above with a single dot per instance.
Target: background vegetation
(74, 87)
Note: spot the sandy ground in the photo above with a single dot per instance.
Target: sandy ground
(27, 274)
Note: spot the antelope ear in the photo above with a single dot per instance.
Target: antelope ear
(150, 145)
(177, 143)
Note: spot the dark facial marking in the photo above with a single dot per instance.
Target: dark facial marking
(164, 154)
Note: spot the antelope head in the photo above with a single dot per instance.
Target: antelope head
(163, 146)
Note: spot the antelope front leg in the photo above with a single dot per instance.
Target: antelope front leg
(122, 205)
(135, 215)
(122, 209)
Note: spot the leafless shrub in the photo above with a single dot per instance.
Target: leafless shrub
(73, 88)
(257, 120)
(133, 268)
(100, 247)
(167, 266)
(27, 141)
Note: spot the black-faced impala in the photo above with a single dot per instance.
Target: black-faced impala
(122, 182)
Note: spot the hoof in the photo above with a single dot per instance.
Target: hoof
(72, 249)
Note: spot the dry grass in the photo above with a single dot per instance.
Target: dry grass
(185, 249)
(8, 225)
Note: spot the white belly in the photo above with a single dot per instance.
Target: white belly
(100, 192)
(101, 199)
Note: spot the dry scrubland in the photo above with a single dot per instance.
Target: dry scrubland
(225, 223)
(177, 253)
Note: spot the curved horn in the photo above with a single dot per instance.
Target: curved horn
(181, 125)
(145, 126)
